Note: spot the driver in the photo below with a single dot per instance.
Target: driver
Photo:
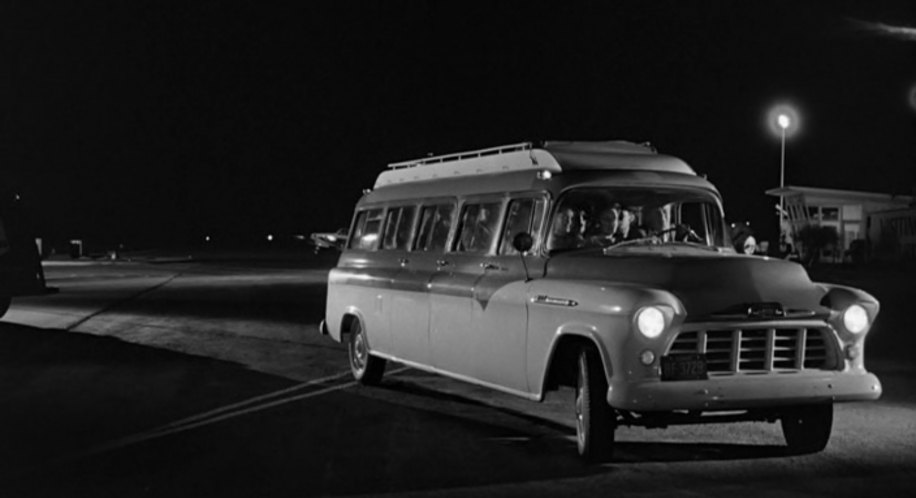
(626, 226)
(657, 222)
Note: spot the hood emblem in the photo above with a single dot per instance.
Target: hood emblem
(765, 311)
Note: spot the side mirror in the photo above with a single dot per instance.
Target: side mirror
(522, 242)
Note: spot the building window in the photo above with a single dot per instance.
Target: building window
(814, 214)
(852, 213)
(851, 232)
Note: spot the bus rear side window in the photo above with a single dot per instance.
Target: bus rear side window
(366, 229)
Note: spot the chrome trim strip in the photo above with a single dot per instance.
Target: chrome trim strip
(463, 378)
(554, 301)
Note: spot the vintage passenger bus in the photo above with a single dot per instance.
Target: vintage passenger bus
(20, 264)
(603, 266)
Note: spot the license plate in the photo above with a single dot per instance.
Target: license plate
(684, 367)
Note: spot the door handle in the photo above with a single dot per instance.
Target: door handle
(487, 265)
(403, 261)
(442, 262)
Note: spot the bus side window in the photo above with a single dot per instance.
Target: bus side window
(366, 229)
(523, 215)
(476, 231)
(398, 227)
(435, 224)
(692, 214)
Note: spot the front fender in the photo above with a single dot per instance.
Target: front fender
(600, 312)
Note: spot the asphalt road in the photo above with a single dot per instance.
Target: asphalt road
(208, 378)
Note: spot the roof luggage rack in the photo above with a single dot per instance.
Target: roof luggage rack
(457, 156)
(549, 157)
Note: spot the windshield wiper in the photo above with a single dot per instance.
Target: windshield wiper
(633, 242)
(655, 241)
(696, 245)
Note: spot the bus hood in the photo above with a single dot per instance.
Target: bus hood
(719, 284)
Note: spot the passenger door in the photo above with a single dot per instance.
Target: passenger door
(409, 313)
(499, 315)
(451, 288)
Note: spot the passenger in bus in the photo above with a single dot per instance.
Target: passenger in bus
(627, 228)
(479, 233)
(583, 221)
(603, 230)
(566, 231)
(656, 222)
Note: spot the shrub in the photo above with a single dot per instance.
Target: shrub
(814, 239)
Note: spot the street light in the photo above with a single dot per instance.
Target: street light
(782, 120)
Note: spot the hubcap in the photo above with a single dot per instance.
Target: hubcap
(580, 411)
(359, 351)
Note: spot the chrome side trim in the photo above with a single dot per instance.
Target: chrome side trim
(554, 301)
(463, 378)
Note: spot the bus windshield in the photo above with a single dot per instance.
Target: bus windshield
(617, 217)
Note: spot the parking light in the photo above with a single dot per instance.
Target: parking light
(647, 357)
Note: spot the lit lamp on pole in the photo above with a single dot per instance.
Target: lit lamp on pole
(783, 121)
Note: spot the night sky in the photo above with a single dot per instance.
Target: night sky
(148, 123)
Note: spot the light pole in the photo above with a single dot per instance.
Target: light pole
(783, 121)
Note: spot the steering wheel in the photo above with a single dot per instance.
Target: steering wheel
(682, 233)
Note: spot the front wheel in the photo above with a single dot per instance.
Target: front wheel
(367, 369)
(807, 427)
(595, 419)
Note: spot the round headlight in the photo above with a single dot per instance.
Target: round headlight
(855, 319)
(650, 322)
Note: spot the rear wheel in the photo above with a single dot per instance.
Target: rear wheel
(807, 427)
(595, 419)
(367, 369)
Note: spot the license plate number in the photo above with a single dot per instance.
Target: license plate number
(684, 367)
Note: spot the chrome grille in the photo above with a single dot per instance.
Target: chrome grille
(759, 350)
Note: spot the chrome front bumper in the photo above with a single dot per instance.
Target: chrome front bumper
(744, 391)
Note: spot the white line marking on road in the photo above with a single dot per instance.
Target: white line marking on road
(121, 301)
(249, 401)
(224, 413)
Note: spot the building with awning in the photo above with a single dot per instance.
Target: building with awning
(870, 216)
